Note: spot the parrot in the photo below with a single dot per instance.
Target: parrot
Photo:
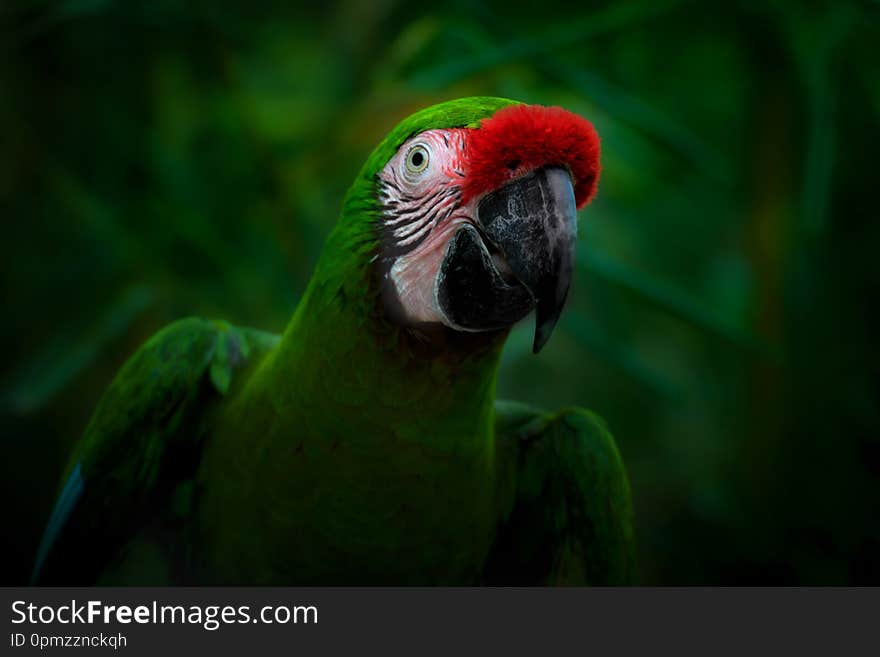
(364, 445)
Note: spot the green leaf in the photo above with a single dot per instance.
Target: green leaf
(596, 340)
(668, 299)
(567, 33)
(629, 108)
(65, 357)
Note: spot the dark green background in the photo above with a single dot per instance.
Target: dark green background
(157, 162)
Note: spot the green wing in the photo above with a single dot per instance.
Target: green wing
(142, 444)
(571, 517)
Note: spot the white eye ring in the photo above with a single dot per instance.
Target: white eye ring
(416, 161)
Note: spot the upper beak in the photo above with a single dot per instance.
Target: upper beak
(533, 221)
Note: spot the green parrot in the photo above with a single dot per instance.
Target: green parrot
(365, 445)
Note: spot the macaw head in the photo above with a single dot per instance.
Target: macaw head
(475, 213)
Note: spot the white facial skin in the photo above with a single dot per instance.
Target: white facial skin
(420, 189)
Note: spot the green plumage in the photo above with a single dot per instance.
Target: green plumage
(347, 451)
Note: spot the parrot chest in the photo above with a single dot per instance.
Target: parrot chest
(343, 499)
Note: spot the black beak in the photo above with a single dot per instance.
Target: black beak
(532, 221)
(518, 257)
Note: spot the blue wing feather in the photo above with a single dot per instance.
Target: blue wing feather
(70, 494)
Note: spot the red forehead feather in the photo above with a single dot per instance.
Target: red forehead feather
(519, 138)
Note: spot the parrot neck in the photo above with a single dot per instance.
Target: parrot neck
(340, 354)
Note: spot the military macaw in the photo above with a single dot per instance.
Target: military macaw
(364, 445)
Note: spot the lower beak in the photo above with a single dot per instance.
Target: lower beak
(532, 221)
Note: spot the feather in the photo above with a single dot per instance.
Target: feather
(70, 495)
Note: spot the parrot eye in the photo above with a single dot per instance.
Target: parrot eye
(416, 161)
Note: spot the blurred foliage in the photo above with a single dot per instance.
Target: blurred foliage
(157, 162)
